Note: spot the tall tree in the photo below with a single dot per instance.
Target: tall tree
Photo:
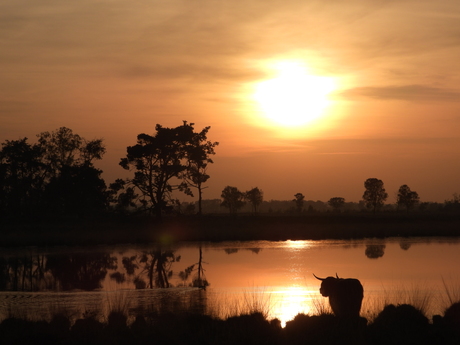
(232, 199)
(157, 160)
(299, 199)
(255, 196)
(406, 197)
(374, 195)
(198, 158)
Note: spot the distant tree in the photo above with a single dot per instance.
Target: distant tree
(299, 200)
(254, 196)
(407, 198)
(232, 199)
(374, 195)
(198, 158)
(336, 203)
(452, 204)
(158, 159)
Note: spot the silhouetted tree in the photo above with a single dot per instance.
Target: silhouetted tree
(255, 196)
(77, 190)
(198, 158)
(22, 177)
(299, 200)
(407, 198)
(36, 177)
(336, 203)
(122, 198)
(62, 148)
(159, 158)
(374, 196)
(232, 198)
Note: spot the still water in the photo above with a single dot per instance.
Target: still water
(274, 276)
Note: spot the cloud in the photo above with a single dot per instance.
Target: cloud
(404, 92)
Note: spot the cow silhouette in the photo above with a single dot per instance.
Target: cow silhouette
(345, 295)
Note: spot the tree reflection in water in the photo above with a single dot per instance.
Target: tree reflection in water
(155, 265)
(83, 271)
(26, 273)
(59, 272)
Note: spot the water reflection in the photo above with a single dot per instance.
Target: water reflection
(81, 271)
(172, 276)
(375, 251)
(151, 268)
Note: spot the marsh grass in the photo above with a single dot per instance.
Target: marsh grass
(117, 302)
(417, 295)
(254, 300)
(320, 305)
(451, 292)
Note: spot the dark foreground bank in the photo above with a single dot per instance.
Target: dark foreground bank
(401, 324)
(115, 230)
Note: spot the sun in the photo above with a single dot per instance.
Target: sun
(293, 97)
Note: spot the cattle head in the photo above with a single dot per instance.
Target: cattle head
(345, 295)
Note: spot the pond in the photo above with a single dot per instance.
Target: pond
(276, 277)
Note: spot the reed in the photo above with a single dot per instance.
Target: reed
(255, 300)
(320, 305)
(117, 301)
(451, 292)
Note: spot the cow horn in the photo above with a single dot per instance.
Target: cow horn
(337, 276)
(318, 277)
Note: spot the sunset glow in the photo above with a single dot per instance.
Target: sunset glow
(293, 97)
(292, 89)
(291, 301)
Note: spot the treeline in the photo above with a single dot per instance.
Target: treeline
(312, 207)
(55, 177)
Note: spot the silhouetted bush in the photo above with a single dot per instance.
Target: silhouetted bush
(324, 329)
(402, 324)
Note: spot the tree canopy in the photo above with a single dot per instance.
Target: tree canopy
(171, 159)
(374, 195)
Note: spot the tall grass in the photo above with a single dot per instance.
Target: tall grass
(320, 305)
(419, 296)
(255, 300)
(118, 302)
(451, 292)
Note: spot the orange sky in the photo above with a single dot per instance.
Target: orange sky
(114, 69)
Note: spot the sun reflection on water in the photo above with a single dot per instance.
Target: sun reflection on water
(288, 301)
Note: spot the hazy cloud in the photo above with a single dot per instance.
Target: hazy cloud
(404, 92)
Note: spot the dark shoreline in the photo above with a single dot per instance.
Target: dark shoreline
(217, 228)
